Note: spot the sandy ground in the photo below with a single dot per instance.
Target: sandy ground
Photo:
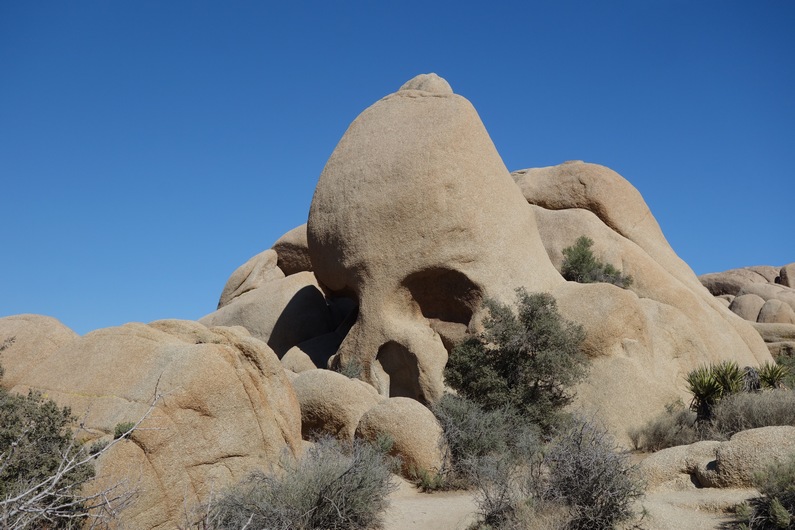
(692, 509)
(412, 509)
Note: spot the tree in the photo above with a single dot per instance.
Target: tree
(43, 468)
(527, 360)
(580, 265)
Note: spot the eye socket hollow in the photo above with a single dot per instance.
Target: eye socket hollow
(447, 298)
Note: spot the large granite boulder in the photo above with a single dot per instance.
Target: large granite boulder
(644, 339)
(26, 341)
(416, 217)
(222, 407)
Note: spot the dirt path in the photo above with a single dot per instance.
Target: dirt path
(412, 510)
(692, 509)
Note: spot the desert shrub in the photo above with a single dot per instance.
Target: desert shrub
(743, 411)
(589, 475)
(122, 429)
(711, 383)
(526, 360)
(775, 508)
(774, 375)
(579, 476)
(330, 487)
(676, 426)
(36, 446)
(471, 433)
(580, 265)
(788, 362)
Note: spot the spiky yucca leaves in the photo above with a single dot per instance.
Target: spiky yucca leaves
(706, 392)
(729, 377)
(772, 375)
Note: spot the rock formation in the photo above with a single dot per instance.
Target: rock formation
(225, 407)
(416, 217)
(763, 295)
(414, 222)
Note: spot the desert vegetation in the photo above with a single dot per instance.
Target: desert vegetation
(331, 486)
(726, 400)
(526, 361)
(508, 437)
(43, 468)
(775, 507)
(580, 265)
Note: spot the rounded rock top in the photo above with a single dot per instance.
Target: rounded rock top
(428, 83)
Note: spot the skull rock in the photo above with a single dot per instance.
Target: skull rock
(416, 216)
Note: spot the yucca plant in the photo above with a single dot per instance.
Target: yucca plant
(772, 375)
(729, 377)
(706, 391)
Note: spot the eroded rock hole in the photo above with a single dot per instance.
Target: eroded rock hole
(447, 298)
(401, 366)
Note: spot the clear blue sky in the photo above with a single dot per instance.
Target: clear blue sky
(149, 148)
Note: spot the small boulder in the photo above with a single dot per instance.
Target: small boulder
(675, 468)
(254, 273)
(775, 311)
(414, 429)
(332, 403)
(313, 353)
(747, 306)
(293, 252)
(786, 275)
(745, 454)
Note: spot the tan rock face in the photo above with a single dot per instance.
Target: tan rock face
(331, 403)
(225, 407)
(254, 273)
(416, 434)
(293, 251)
(746, 453)
(644, 339)
(416, 216)
(28, 340)
(283, 312)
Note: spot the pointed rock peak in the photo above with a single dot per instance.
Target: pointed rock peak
(428, 83)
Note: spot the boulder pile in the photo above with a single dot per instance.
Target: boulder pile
(762, 295)
(344, 326)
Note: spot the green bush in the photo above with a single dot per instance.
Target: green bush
(775, 508)
(472, 434)
(527, 360)
(330, 487)
(37, 481)
(580, 265)
(123, 428)
(788, 363)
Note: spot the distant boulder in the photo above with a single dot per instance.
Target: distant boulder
(283, 312)
(293, 251)
(254, 273)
